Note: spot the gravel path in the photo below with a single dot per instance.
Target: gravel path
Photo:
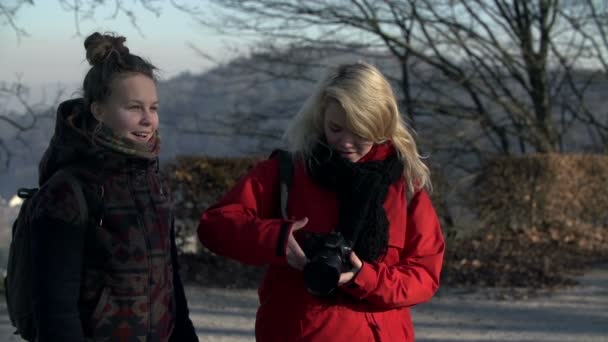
(574, 314)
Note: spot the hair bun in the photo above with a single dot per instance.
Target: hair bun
(100, 46)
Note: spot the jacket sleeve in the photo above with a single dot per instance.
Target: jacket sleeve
(57, 249)
(415, 278)
(244, 225)
(184, 329)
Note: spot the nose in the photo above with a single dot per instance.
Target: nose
(347, 140)
(146, 117)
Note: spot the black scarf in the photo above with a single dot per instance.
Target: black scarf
(361, 189)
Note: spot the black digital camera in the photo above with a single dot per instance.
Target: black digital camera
(328, 256)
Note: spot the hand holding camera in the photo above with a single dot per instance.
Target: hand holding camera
(326, 259)
(357, 264)
(294, 253)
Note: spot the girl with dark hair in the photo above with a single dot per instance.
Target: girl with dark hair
(107, 270)
(353, 252)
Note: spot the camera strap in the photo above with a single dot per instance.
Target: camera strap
(285, 179)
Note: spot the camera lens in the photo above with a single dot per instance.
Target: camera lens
(322, 275)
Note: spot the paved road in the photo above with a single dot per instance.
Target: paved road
(576, 314)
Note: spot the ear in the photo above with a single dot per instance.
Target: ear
(96, 110)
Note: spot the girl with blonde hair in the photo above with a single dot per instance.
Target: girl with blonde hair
(351, 255)
(372, 113)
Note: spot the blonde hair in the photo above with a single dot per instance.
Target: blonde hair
(371, 112)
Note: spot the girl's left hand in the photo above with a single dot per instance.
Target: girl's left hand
(350, 274)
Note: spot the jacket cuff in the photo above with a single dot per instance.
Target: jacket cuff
(363, 283)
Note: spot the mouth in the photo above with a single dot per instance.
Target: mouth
(348, 155)
(142, 136)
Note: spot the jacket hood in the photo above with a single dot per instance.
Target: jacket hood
(70, 143)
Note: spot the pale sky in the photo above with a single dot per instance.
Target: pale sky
(53, 54)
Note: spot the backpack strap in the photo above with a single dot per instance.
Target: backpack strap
(285, 180)
(83, 207)
(82, 203)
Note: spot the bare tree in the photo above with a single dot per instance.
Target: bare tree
(19, 116)
(588, 45)
(87, 9)
(499, 67)
(479, 77)
(500, 74)
(491, 65)
(8, 13)
(81, 10)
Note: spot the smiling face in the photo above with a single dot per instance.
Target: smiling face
(131, 109)
(348, 144)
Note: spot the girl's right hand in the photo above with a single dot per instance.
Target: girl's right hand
(294, 253)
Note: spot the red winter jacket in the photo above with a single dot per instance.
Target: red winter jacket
(375, 306)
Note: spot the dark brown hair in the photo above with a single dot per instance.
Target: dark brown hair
(109, 58)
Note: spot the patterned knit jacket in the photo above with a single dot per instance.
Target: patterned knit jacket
(114, 278)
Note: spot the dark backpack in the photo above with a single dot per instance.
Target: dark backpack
(18, 280)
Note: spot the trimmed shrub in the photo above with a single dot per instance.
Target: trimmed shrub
(540, 217)
(540, 191)
(196, 184)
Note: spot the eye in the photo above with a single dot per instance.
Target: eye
(154, 108)
(335, 128)
(134, 107)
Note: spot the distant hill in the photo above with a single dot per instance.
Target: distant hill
(237, 109)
